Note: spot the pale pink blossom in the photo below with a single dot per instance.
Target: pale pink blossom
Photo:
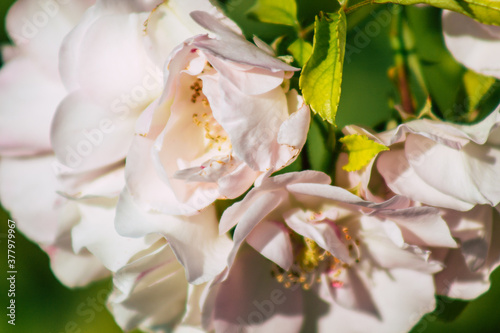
(225, 118)
(111, 65)
(30, 92)
(438, 163)
(453, 168)
(334, 260)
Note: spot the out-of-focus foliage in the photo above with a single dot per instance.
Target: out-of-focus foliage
(485, 11)
(275, 11)
(301, 50)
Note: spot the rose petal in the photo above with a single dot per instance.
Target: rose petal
(250, 299)
(203, 261)
(272, 241)
(474, 44)
(234, 47)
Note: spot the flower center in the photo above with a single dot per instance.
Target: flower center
(215, 135)
(312, 263)
(214, 158)
(197, 87)
(214, 132)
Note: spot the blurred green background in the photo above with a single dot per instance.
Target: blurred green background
(44, 305)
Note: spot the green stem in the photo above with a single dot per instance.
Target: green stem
(356, 6)
(305, 31)
(401, 76)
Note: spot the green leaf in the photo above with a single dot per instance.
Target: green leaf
(476, 87)
(321, 77)
(361, 150)
(275, 11)
(301, 51)
(477, 97)
(488, 102)
(485, 11)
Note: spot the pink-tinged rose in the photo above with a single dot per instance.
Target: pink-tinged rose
(438, 163)
(111, 65)
(475, 45)
(225, 118)
(332, 256)
(451, 167)
(97, 199)
(151, 293)
(253, 300)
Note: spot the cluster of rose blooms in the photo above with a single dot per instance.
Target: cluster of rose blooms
(124, 121)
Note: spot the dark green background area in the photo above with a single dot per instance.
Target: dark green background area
(44, 305)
